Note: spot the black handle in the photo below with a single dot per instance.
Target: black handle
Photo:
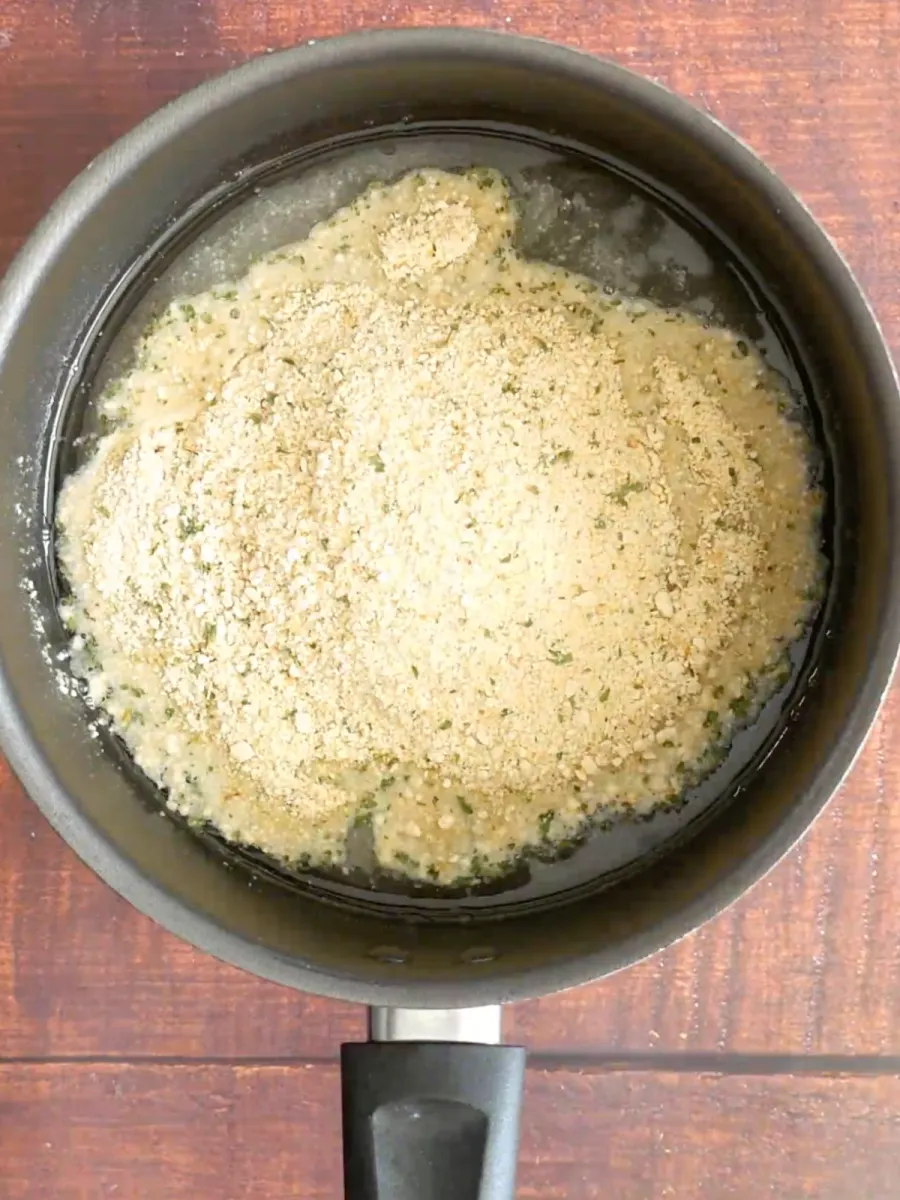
(431, 1120)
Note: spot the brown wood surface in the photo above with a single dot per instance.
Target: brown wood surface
(760, 1056)
(194, 1130)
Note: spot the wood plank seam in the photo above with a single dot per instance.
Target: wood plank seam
(583, 1062)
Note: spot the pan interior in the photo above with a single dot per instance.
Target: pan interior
(579, 210)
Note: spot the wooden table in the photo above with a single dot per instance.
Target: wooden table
(760, 1057)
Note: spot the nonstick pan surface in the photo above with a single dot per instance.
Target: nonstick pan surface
(247, 163)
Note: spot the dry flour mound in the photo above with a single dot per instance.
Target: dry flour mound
(403, 528)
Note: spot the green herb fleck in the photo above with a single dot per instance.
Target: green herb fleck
(621, 494)
(445, 724)
(190, 526)
(363, 815)
(465, 805)
(559, 658)
(377, 462)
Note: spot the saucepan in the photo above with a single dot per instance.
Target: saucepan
(431, 1100)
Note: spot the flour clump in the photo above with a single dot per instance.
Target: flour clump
(405, 530)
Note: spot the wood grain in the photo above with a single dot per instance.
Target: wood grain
(156, 1132)
(171, 1103)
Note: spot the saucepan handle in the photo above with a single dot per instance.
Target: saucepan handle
(430, 1120)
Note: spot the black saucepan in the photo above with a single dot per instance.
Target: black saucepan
(430, 1106)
